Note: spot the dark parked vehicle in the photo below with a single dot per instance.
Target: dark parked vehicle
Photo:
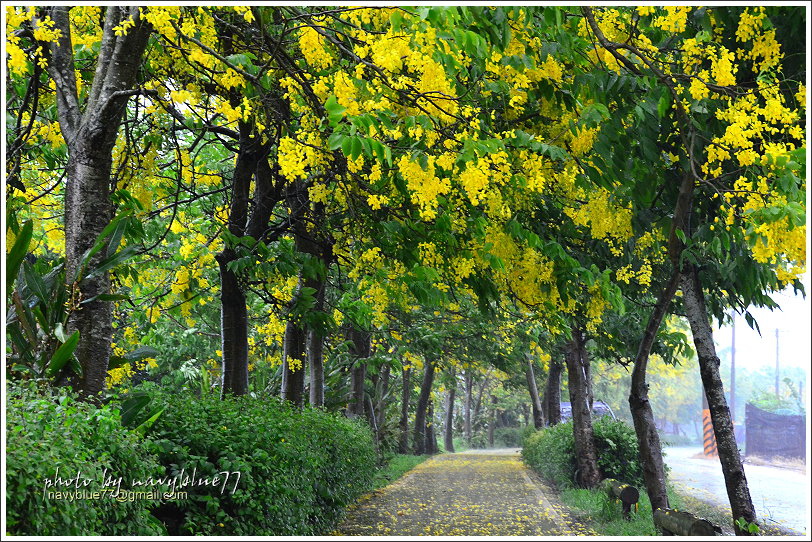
(599, 408)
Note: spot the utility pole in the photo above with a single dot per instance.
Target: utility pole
(733, 369)
(777, 396)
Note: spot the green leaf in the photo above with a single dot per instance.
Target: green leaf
(111, 262)
(106, 297)
(18, 252)
(335, 141)
(396, 20)
(132, 406)
(142, 429)
(357, 148)
(35, 284)
(110, 229)
(63, 354)
(335, 111)
(346, 145)
(142, 352)
(664, 104)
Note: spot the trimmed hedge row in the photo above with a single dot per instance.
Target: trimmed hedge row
(551, 452)
(52, 439)
(240, 466)
(297, 468)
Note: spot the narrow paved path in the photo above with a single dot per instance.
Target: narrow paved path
(490, 493)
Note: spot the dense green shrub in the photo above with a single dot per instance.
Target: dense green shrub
(479, 440)
(507, 437)
(618, 452)
(49, 431)
(298, 468)
(551, 452)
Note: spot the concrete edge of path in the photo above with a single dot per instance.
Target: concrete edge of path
(534, 481)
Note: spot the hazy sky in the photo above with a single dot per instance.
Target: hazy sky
(792, 321)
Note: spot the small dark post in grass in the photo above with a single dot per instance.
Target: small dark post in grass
(675, 522)
(626, 494)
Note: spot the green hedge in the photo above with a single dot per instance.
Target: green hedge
(49, 431)
(507, 437)
(551, 452)
(298, 468)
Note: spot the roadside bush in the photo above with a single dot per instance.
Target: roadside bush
(618, 452)
(52, 434)
(527, 431)
(507, 437)
(479, 440)
(297, 468)
(551, 452)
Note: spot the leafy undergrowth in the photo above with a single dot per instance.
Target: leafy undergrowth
(396, 466)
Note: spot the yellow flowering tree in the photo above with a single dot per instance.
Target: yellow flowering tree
(711, 116)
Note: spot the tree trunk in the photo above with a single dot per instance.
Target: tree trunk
(587, 460)
(735, 480)
(478, 403)
(315, 355)
(469, 396)
(293, 374)
(233, 329)
(403, 441)
(552, 393)
(359, 371)
(431, 433)
(88, 210)
(369, 411)
(382, 389)
(535, 402)
(359, 350)
(448, 439)
(587, 373)
(422, 407)
(492, 421)
(90, 135)
(293, 357)
(648, 439)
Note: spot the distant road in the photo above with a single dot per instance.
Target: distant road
(780, 495)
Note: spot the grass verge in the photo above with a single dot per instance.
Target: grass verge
(603, 515)
(598, 512)
(720, 515)
(396, 466)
